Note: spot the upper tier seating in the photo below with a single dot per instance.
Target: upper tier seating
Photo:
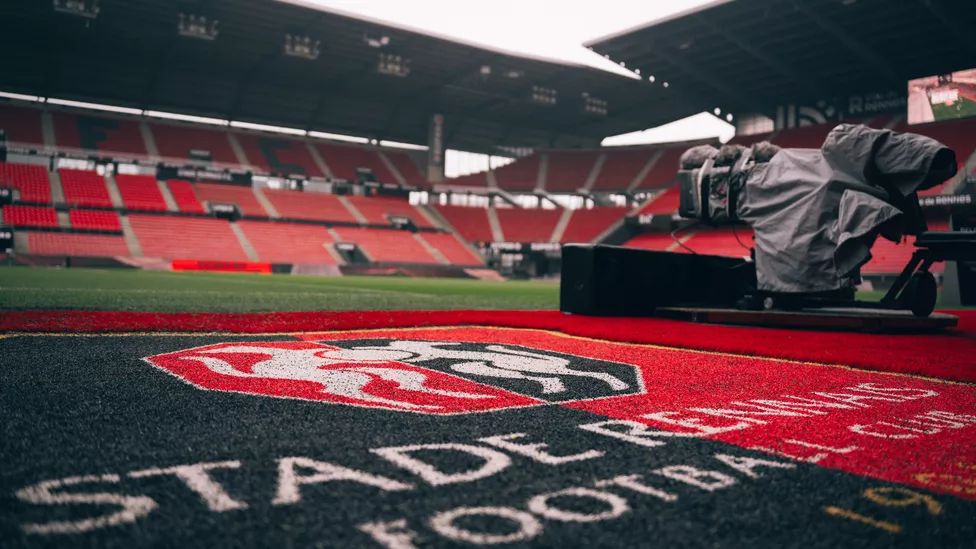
(521, 175)
(278, 154)
(181, 237)
(84, 188)
(177, 142)
(472, 180)
(21, 124)
(309, 205)
(651, 241)
(241, 195)
(96, 220)
(185, 196)
(343, 161)
(665, 203)
(98, 133)
(81, 245)
(528, 225)
(587, 224)
(720, 242)
(452, 249)
(29, 216)
(664, 171)
(621, 167)
(387, 246)
(568, 170)
(375, 210)
(408, 169)
(471, 223)
(140, 192)
(279, 242)
(31, 180)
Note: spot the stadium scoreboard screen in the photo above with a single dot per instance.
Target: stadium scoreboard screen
(942, 97)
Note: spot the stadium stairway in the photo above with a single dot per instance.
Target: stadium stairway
(252, 254)
(496, 227)
(135, 249)
(265, 203)
(431, 249)
(360, 218)
(168, 198)
(113, 191)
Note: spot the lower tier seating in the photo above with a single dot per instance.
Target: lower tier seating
(471, 223)
(31, 180)
(309, 205)
(587, 224)
(651, 241)
(96, 220)
(177, 237)
(82, 245)
(288, 242)
(375, 210)
(242, 196)
(84, 188)
(665, 203)
(720, 242)
(453, 250)
(387, 246)
(29, 216)
(185, 196)
(140, 192)
(528, 225)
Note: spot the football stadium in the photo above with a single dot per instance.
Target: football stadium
(294, 273)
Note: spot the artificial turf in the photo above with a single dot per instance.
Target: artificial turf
(162, 291)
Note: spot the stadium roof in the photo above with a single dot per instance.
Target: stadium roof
(132, 55)
(749, 55)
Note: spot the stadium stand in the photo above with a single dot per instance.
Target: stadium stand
(665, 203)
(240, 195)
(664, 171)
(81, 245)
(568, 170)
(528, 225)
(96, 220)
(84, 188)
(376, 209)
(621, 167)
(185, 196)
(140, 192)
(180, 237)
(651, 241)
(278, 242)
(29, 216)
(585, 225)
(98, 133)
(890, 258)
(311, 206)
(31, 180)
(471, 223)
(343, 161)
(521, 175)
(471, 180)
(719, 242)
(453, 249)
(278, 155)
(387, 246)
(177, 141)
(408, 169)
(22, 125)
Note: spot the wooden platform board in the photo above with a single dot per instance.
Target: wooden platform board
(835, 319)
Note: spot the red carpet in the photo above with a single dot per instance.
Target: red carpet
(947, 355)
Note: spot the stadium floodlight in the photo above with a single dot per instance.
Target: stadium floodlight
(376, 41)
(651, 78)
(393, 65)
(665, 84)
(197, 26)
(302, 47)
(81, 8)
(728, 117)
(592, 105)
(717, 111)
(543, 96)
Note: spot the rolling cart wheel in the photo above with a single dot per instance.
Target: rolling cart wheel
(921, 293)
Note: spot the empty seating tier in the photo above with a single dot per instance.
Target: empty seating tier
(178, 237)
(140, 192)
(95, 220)
(471, 223)
(890, 258)
(622, 167)
(21, 124)
(387, 246)
(84, 188)
(521, 175)
(179, 141)
(185, 196)
(665, 203)
(82, 245)
(452, 249)
(31, 180)
(408, 169)
(664, 171)
(720, 242)
(651, 241)
(240, 195)
(472, 180)
(375, 210)
(30, 216)
(278, 242)
(528, 225)
(98, 133)
(585, 225)
(343, 161)
(309, 205)
(568, 170)
(278, 155)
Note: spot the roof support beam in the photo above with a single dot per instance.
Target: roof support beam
(766, 58)
(740, 99)
(962, 35)
(880, 65)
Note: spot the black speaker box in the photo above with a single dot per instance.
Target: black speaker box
(615, 281)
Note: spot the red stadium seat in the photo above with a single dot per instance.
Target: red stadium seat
(343, 161)
(21, 124)
(309, 205)
(651, 241)
(97, 220)
(31, 180)
(82, 245)
(528, 225)
(375, 209)
(181, 237)
(664, 171)
(242, 196)
(568, 170)
(185, 196)
(587, 224)
(278, 242)
(472, 180)
(278, 154)
(387, 246)
(471, 223)
(621, 167)
(452, 249)
(177, 142)
(29, 216)
(84, 188)
(140, 192)
(665, 203)
(98, 133)
(408, 169)
(723, 241)
(521, 175)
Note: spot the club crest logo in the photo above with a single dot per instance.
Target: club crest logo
(432, 377)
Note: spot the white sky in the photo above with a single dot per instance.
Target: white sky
(553, 29)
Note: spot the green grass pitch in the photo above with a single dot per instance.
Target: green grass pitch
(964, 108)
